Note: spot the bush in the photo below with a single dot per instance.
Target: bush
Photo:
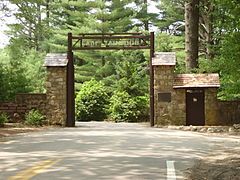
(143, 107)
(92, 101)
(34, 118)
(123, 107)
(3, 119)
(163, 42)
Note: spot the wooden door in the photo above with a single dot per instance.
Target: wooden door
(195, 107)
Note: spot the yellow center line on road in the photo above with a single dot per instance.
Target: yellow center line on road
(33, 171)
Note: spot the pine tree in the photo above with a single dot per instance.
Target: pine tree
(143, 16)
(172, 14)
(30, 25)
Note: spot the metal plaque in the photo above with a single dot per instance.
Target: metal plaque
(164, 97)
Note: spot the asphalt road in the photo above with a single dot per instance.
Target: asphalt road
(111, 151)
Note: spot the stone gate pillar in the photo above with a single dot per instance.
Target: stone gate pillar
(56, 82)
(163, 67)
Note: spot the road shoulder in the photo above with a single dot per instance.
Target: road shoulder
(219, 165)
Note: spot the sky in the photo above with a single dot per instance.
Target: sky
(3, 27)
(4, 39)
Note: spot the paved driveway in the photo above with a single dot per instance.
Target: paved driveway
(101, 150)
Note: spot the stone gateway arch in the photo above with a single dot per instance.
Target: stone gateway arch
(60, 70)
(175, 99)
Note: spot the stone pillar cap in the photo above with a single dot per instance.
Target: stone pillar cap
(55, 60)
(164, 59)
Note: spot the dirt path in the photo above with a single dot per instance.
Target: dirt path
(10, 129)
(218, 166)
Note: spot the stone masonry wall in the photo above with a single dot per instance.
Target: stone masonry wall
(173, 111)
(23, 103)
(56, 95)
(179, 107)
(33, 101)
(211, 107)
(229, 112)
(220, 112)
(163, 83)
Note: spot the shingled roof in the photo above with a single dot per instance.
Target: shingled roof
(164, 58)
(55, 59)
(196, 80)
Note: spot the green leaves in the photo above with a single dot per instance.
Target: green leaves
(228, 65)
(34, 118)
(124, 107)
(3, 119)
(20, 72)
(92, 101)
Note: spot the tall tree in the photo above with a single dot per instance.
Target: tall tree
(143, 17)
(29, 27)
(171, 16)
(191, 33)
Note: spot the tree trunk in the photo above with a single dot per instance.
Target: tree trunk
(209, 27)
(38, 28)
(48, 20)
(48, 12)
(146, 22)
(206, 28)
(191, 33)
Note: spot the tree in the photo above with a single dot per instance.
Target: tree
(206, 28)
(143, 17)
(227, 48)
(4, 10)
(30, 25)
(172, 16)
(191, 33)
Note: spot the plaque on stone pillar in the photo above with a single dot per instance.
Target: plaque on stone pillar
(164, 97)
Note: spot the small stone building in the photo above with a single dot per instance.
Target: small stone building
(183, 99)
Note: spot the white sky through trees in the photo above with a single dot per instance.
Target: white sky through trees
(4, 39)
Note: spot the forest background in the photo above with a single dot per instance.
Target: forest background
(115, 84)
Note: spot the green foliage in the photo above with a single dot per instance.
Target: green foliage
(3, 119)
(163, 42)
(20, 72)
(131, 72)
(180, 64)
(124, 107)
(34, 118)
(34, 70)
(226, 48)
(228, 66)
(4, 83)
(92, 101)
(170, 43)
(31, 25)
(42, 27)
(172, 16)
(13, 78)
(142, 103)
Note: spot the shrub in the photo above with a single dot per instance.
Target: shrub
(3, 119)
(123, 107)
(163, 42)
(142, 103)
(34, 118)
(92, 101)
